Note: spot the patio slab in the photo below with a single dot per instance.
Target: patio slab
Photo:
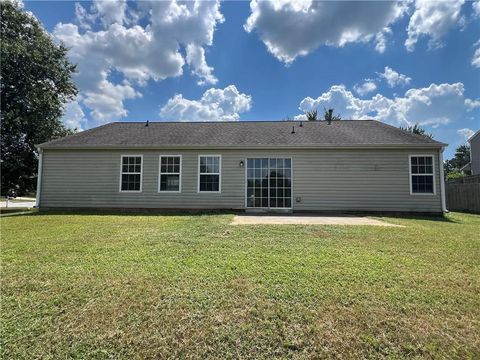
(17, 204)
(307, 220)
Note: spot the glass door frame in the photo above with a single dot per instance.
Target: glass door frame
(245, 162)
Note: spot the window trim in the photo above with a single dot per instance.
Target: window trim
(168, 173)
(121, 173)
(432, 174)
(291, 175)
(219, 174)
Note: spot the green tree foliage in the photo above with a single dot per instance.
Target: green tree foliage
(460, 159)
(455, 174)
(35, 84)
(328, 115)
(312, 115)
(417, 129)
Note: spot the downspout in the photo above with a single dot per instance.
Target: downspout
(442, 182)
(39, 178)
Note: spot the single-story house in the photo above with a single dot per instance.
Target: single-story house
(342, 166)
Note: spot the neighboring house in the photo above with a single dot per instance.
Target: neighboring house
(474, 164)
(348, 165)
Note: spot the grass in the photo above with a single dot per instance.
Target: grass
(134, 286)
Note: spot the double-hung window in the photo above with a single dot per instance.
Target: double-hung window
(209, 173)
(422, 180)
(131, 173)
(170, 173)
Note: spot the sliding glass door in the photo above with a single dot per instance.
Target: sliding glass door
(269, 183)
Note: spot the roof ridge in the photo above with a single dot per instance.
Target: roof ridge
(231, 121)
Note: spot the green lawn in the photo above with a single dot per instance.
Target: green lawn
(133, 286)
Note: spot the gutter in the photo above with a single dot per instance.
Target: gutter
(39, 177)
(442, 182)
(243, 147)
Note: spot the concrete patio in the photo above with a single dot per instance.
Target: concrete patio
(307, 220)
(18, 203)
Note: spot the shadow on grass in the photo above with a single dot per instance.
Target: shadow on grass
(4, 212)
(203, 212)
(446, 218)
(438, 218)
(135, 212)
(427, 216)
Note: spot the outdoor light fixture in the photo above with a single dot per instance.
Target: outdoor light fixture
(242, 164)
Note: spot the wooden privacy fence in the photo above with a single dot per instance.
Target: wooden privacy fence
(463, 194)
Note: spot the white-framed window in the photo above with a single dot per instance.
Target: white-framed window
(422, 175)
(210, 173)
(131, 170)
(170, 173)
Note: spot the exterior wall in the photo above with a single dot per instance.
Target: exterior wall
(475, 154)
(354, 180)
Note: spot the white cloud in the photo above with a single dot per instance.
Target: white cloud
(111, 11)
(381, 40)
(394, 78)
(432, 19)
(300, 117)
(338, 98)
(73, 116)
(196, 59)
(214, 105)
(292, 29)
(107, 11)
(476, 8)
(173, 34)
(476, 56)
(471, 104)
(106, 102)
(83, 17)
(367, 87)
(466, 133)
(434, 105)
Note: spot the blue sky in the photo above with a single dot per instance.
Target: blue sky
(397, 62)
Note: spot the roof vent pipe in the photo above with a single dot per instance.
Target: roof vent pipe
(146, 124)
(301, 123)
(293, 129)
(330, 116)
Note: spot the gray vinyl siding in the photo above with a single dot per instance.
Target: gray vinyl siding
(475, 154)
(370, 180)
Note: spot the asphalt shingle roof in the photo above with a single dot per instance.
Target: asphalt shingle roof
(242, 134)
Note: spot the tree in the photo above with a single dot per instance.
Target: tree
(328, 115)
(452, 167)
(462, 156)
(418, 130)
(36, 83)
(454, 175)
(312, 115)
